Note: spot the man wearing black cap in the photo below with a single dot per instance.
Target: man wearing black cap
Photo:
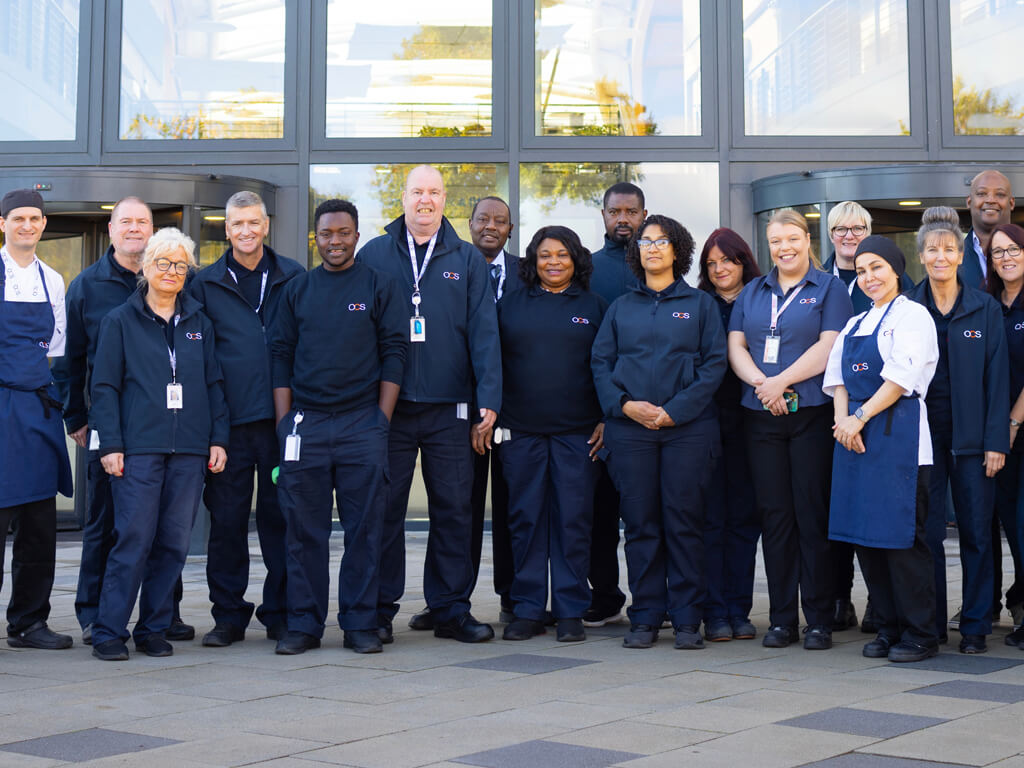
(33, 454)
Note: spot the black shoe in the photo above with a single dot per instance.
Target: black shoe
(386, 632)
(598, 617)
(294, 643)
(523, 629)
(717, 631)
(111, 650)
(688, 637)
(779, 637)
(180, 631)
(506, 616)
(154, 645)
(223, 635)
(549, 619)
(571, 631)
(39, 636)
(639, 636)
(422, 621)
(464, 628)
(742, 628)
(363, 641)
(1015, 639)
(87, 634)
(973, 644)
(869, 624)
(818, 637)
(910, 652)
(844, 616)
(277, 631)
(878, 648)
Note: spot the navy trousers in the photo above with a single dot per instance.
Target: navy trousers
(973, 502)
(344, 454)
(1010, 512)
(441, 438)
(32, 560)
(155, 504)
(501, 545)
(551, 486)
(662, 477)
(97, 539)
(731, 529)
(252, 448)
(605, 595)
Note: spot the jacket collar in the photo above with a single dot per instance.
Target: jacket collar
(574, 289)
(189, 306)
(218, 271)
(969, 300)
(109, 269)
(613, 248)
(679, 288)
(447, 239)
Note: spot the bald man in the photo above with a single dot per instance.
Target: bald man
(990, 202)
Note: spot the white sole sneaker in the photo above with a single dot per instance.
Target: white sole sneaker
(613, 619)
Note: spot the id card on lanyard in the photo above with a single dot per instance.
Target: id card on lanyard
(418, 323)
(772, 342)
(174, 392)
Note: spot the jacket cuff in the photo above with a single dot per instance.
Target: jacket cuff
(106, 450)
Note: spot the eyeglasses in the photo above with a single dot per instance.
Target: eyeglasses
(998, 254)
(857, 230)
(180, 267)
(661, 242)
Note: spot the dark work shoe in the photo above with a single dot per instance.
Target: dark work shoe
(639, 636)
(742, 628)
(506, 616)
(523, 629)
(973, 644)
(277, 631)
(1016, 639)
(39, 636)
(87, 635)
(549, 619)
(363, 640)
(571, 631)
(223, 635)
(180, 631)
(844, 616)
(688, 637)
(869, 624)
(386, 632)
(422, 621)
(878, 648)
(598, 617)
(910, 652)
(717, 631)
(818, 638)
(294, 643)
(111, 650)
(154, 645)
(464, 628)
(779, 637)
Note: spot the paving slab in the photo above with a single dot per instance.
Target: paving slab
(862, 722)
(81, 746)
(533, 753)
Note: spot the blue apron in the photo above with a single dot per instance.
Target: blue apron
(874, 494)
(33, 452)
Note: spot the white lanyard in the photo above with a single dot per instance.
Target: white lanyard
(849, 288)
(263, 286)
(417, 275)
(777, 312)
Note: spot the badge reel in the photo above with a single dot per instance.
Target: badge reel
(771, 349)
(417, 323)
(293, 442)
(174, 402)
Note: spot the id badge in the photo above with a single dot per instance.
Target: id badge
(292, 444)
(771, 349)
(94, 440)
(417, 328)
(174, 397)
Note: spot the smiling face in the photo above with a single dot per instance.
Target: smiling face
(848, 237)
(990, 201)
(22, 228)
(423, 201)
(490, 227)
(942, 254)
(790, 248)
(246, 229)
(877, 278)
(1010, 268)
(724, 273)
(167, 281)
(130, 227)
(555, 267)
(336, 239)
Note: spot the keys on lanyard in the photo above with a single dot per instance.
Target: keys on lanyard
(293, 442)
(418, 323)
(772, 342)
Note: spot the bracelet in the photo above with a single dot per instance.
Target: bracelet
(1014, 422)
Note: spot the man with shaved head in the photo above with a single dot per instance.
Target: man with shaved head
(454, 360)
(990, 202)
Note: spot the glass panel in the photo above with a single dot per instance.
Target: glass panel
(626, 68)
(202, 69)
(812, 213)
(403, 69)
(572, 194)
(836, 68)
(988, 92)
(39, 64)
(213, 239)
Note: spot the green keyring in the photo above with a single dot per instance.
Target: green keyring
(274, 473)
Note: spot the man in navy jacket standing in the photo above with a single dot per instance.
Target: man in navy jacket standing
(453, 334)
(990, 202)
(240, 293)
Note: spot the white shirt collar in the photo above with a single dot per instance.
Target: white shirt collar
(981, 253)
(500, 261)
(8, 259)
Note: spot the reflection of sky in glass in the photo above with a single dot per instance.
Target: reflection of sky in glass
(984, 35)
(39, 67)
(406, 69)
(202, 69)
(630, 67)
(826, 68)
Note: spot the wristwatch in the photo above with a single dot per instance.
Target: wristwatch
(859, 413)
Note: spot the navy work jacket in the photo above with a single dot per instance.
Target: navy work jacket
(969, 271)
(612, 277)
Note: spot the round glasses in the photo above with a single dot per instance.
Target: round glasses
(180, 267)
(857, 230)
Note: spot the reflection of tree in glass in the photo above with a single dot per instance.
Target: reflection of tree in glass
(434, 42)
(982, 113)
(552, 183)
(245, 117)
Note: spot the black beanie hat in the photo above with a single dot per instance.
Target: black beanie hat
(21, 198)
(887, 249)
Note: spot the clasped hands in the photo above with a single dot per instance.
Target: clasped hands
(771, 392)
(648, 414)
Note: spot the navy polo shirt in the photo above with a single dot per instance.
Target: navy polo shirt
(822, 305)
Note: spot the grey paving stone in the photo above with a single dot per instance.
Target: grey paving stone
(963, 663)
(862, 760)
(974, 689)
(862, 722)
(81, 746)
(530, 754)
(525, 663)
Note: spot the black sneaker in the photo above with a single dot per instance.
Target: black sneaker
(818, 637)
(742, 628)
(779, 637)
(180, 631)
(639, 636)
(154, 645)
(422, 621)
(295, 643)
(844, 616)
(39, 636)
(910, 652)
(523, 629)
(973, 644)
(598, 617)
(688, 637)
(363, 640)
(571, 631)
(464, 628)
(878, 648)
(718, 630)
(111, 650)
(386, 632)
(223, 635)
(1015, 638)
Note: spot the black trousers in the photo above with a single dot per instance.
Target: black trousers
(901, 583)
(32, 561)
(605, 595)
(791, 466)
(501, 542)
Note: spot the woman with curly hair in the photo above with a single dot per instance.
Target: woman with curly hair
(658, 359)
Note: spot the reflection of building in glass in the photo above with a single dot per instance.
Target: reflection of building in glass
(837, 68)
(39, 65)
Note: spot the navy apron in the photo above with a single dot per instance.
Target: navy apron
(33, 452)
(874, 494)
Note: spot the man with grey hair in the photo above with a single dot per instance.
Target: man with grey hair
(990, 202)
(240, 293)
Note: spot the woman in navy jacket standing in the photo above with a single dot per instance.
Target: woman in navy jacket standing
(158, 405)
(658, 359)
(968, 414)
(550, 430)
